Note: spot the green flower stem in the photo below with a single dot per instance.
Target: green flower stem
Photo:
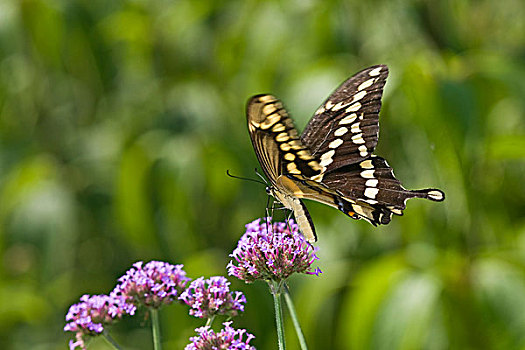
(295, 320)
(155, 325)
(276, 292)
(111, 341)
(210, 321)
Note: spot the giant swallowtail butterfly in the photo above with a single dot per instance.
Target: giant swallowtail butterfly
(332, 161)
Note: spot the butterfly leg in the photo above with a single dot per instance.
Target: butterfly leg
(289, 216)
(269, 214)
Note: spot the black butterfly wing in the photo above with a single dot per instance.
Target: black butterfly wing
(343, 134)
(372, 184)
(345, 128)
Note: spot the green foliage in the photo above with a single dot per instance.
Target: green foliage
(118, 121)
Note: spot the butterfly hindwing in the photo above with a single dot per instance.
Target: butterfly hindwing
(371, 183)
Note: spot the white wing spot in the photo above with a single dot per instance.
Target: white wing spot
(371, 183)
(435, 195)
(278, 127)
(371, 192)
(355, 128)
(366, 164)
(367, 174)
(270, 120)
(358, 139)
(326, 158)
(328, 154)
(359, 96)
(269, 109)
(339, 106)
(335, 143)
(365, 84)
(349, 119)
(326, 162)
(341, 131)
(282, 137)
(363, 151)
(359, 210)
(371, 201)
(328, 105)
(397, 211)
(318, 177)
(266, 98)
(289, 157)
(304, 155)
(292, 168)
(354, 107)
(285, 147)
(295, 144)
(314, 165)
(319, 110)
(375, 72)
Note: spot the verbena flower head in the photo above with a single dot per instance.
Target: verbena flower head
(92, 314)
(212, 297)
(227, 338)
(272, 252)
(155, 284)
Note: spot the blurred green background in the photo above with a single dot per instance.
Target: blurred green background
(119, 119)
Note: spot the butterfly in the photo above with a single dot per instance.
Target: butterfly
(332, 161)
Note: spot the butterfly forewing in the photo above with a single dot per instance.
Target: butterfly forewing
(282, 155)
(276, 140)
(345, 128)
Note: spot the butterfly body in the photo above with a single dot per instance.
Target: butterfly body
(332, 161)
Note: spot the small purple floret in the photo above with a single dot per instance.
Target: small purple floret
(92, 314)
(155, 284)
(272, 252)
(212, 297)
(227, 338)
(316, 272)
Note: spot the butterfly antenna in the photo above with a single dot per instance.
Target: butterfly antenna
(245, 178)
(262, 177)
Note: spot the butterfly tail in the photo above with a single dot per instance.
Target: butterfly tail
(432, 194)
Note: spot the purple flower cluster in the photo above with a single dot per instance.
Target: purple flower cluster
(272, 252)
(212, 297)
(155, 284)
(152, 285)
(227, 338)
(92, 314)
